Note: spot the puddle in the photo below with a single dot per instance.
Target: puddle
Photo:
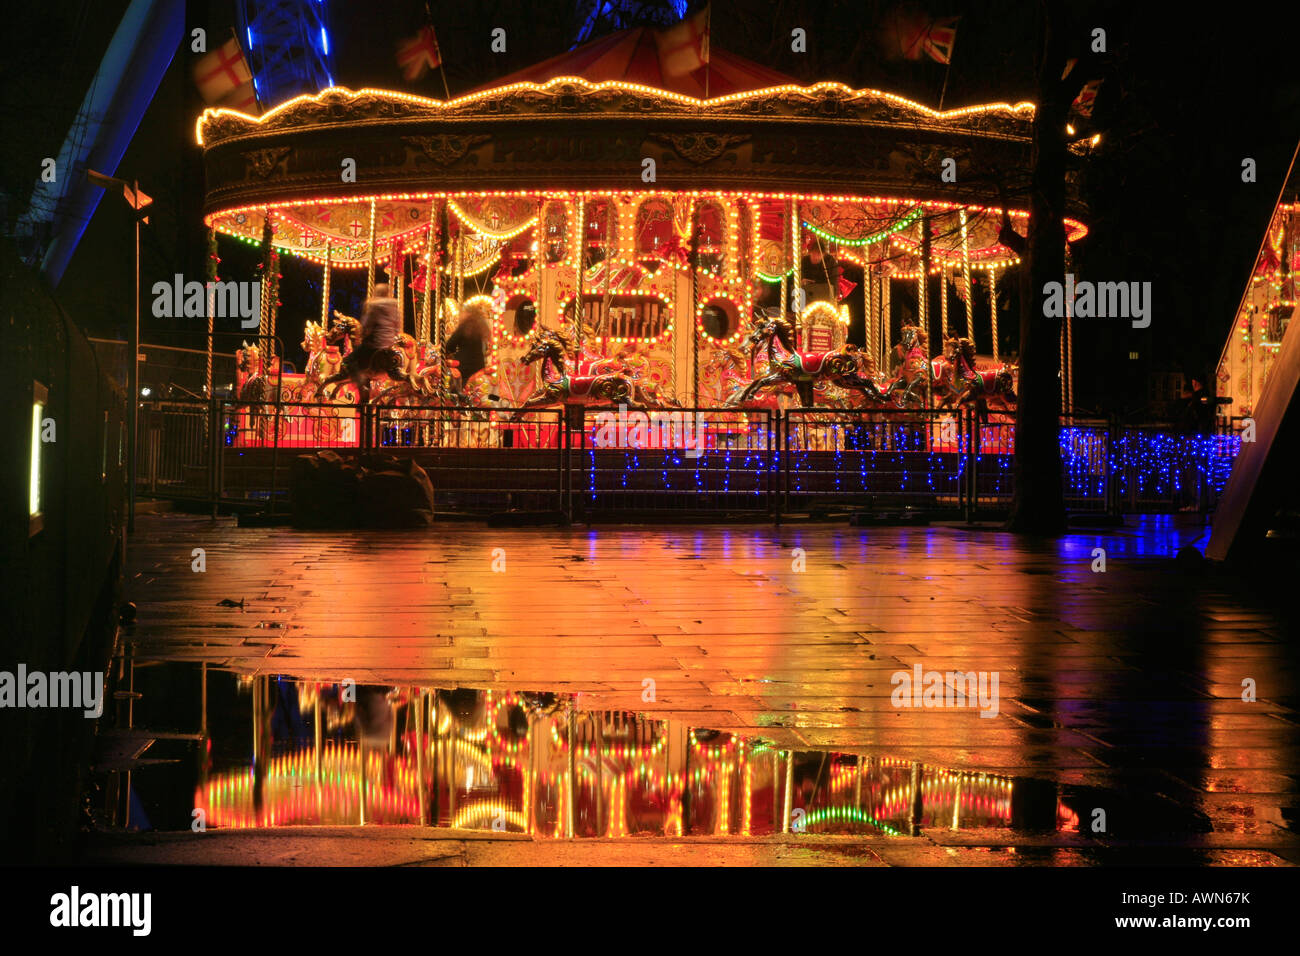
(279, 752)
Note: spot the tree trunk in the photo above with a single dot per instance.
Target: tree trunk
(1038, 505)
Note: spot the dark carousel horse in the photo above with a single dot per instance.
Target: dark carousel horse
(967, 385)
(255, 386)
(558, 387)
(392, 361)
(841, 367)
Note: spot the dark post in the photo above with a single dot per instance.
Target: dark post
(918, 801)
(133, 379)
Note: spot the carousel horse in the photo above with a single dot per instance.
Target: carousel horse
(323, 357)
(256, 378)
(391, 361)
(967, 385)
(255, 384)
(429, 365)
(323, 360)
(915, 373)
(841, 367)
(726, 367)
(418, 385)
(558, 387)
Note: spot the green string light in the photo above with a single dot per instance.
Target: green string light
(847, 814)
(903, 223)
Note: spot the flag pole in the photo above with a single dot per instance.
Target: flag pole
(708, 49)
(428, 16)
(947, 68)
(441, 71)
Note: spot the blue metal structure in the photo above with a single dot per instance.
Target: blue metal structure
(288, 46)
(602, 16)
(139, 54)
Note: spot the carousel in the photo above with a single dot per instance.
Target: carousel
(609, 234)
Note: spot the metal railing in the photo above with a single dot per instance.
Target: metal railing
(679, 460)
(891, 459)
(591, 462)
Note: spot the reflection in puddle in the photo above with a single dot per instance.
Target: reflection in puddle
(326, 754)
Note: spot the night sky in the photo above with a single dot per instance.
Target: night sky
(1187, 95)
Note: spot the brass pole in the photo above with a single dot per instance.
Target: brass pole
(569, 777)
(325, 290)
(422, 333)
(789, 791)
(581, 258)
(370, 270)
(943, 301)
(966, 277)
(993, 308)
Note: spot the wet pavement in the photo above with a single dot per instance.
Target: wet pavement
(720, 694)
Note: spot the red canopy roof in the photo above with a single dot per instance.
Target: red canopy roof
(632, 56)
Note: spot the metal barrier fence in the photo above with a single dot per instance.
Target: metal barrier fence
(878, 459)
(672, 460)
(176, 448)
(589, 462)
(1088, 465)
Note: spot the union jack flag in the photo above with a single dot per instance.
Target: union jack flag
(935, 38)
(419, 54)
(1084, 102)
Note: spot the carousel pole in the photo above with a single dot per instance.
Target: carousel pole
(273, 308)
(457, 255)
(325, 290)
(783, 275)
(870, 343)
(1069, 361)
(695, 298)
(423, 333)
(399, 283)
(370, 270)
(993, 309)
(212, 276)
(923, 275)
(460, 265)
(1067, 352)
(265, 298)
(435, 280)
(539, 257)
(966, 277)
(943, 301)
(1061, 368)
(675, 338)
(581, 253)
(923, 304)
(886, 319)
(610, 246)
(796, 263)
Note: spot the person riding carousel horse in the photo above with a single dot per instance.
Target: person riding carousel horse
(376, 350)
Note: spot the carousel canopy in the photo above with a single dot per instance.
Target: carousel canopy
(604, 122)
(635, 56)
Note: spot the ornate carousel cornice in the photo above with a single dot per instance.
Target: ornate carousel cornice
(825, 102)
(569, 134)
